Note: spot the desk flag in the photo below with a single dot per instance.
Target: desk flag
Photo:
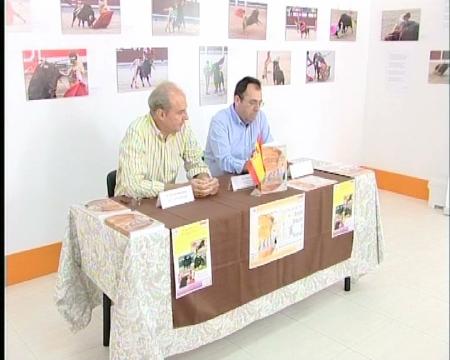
(255, 166)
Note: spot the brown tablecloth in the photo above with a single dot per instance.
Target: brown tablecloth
(234, 283)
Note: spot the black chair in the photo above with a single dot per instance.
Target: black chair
(111, 185)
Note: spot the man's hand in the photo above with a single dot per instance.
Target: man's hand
(204, 186)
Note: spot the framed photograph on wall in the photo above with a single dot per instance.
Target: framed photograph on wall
(18, 15)
(400, 25)
(141, 68)
(274, 67)
(176, 17)
(90, 16)
(247, 20)
(301, 23)
(213, 74)
(343, 25)
(438, 67)
(319, 66)
(51, 74)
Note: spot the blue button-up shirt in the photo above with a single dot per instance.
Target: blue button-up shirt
(231, 142)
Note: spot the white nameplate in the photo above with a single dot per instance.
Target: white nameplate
(240, 182)
(301, 168)
(174, 197)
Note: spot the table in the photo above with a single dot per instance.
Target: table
(136, 275)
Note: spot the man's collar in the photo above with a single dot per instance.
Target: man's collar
(235, 116)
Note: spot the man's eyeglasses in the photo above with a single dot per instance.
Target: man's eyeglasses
(257, 103)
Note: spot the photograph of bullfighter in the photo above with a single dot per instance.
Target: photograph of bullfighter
(319, 66)
(301, 23)
(400, 25)
(90, 16)
(343, 25)
(17, 15)
(51, 74)
(247, 20)
(175, 17)
(213, 75)
(274, 67)
(141, 68)
(438, 67)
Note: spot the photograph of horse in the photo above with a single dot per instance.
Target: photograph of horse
(175, 17)
(343, 25)
(400, 25)
(213, 75)
(51, 74)
(438, 72)
(247, 20)
(319, 66)
(301, 23)
(141, 68)
(274, 67)
(90, 16)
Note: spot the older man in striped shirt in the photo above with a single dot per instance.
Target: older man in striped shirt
(156, 145)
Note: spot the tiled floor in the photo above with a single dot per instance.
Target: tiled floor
(398, 312)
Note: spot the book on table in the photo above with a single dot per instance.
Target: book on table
(132, 223)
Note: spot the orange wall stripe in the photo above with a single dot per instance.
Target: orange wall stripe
(30, 264)
(401, 184)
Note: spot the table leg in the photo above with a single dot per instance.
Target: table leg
(347, 283)
(106, 319)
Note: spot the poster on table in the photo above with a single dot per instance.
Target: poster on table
(141, 68)
(90, 16)
(191, 257)
(343, 198)
(247, 20)
(276, 230)
(213, 75)
(175, 17)
(301, 23)
(55, 73)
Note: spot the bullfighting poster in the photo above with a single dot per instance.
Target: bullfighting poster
(400, 25)
(90, 16)
(274, 67)
(191, 257)
(55, 73)
(247, 20)
(301, 23)
(141, 68)
(18, 15)
(276, 230)
(438, 67)
(319, 66)
(343, 198)
(213, 75)
(343, 25)
(175, 17)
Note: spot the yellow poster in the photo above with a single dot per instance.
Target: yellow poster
(343, 197)
(191, 257)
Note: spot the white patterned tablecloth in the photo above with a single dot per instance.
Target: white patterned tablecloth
(135, 274)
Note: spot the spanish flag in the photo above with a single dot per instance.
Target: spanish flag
(255, 166)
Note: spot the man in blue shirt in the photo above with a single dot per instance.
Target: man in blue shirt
(233, 131)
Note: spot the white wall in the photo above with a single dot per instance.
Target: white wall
(406, 130)
(58, 152)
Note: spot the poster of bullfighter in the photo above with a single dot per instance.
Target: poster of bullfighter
(438, 67)
(247, 20)
(274, 67)
(51, 74)
(301, 23)
(319, 66)
(141, 68)
(343, 25)
(176, 17)
(213, 75)
(18, 15)
(400, 25)
(90, 16)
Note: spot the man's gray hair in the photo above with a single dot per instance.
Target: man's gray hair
(160, 96)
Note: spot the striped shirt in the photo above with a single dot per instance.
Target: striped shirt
(147, 161)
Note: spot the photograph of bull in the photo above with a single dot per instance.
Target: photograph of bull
(400, 25)
(320, 66)
(301, 23)
(51, 74)
(274, 67)
(90, 16)
(438, 67)
(176, 17)
(213, 75)
(343, 25)
(247, 20)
